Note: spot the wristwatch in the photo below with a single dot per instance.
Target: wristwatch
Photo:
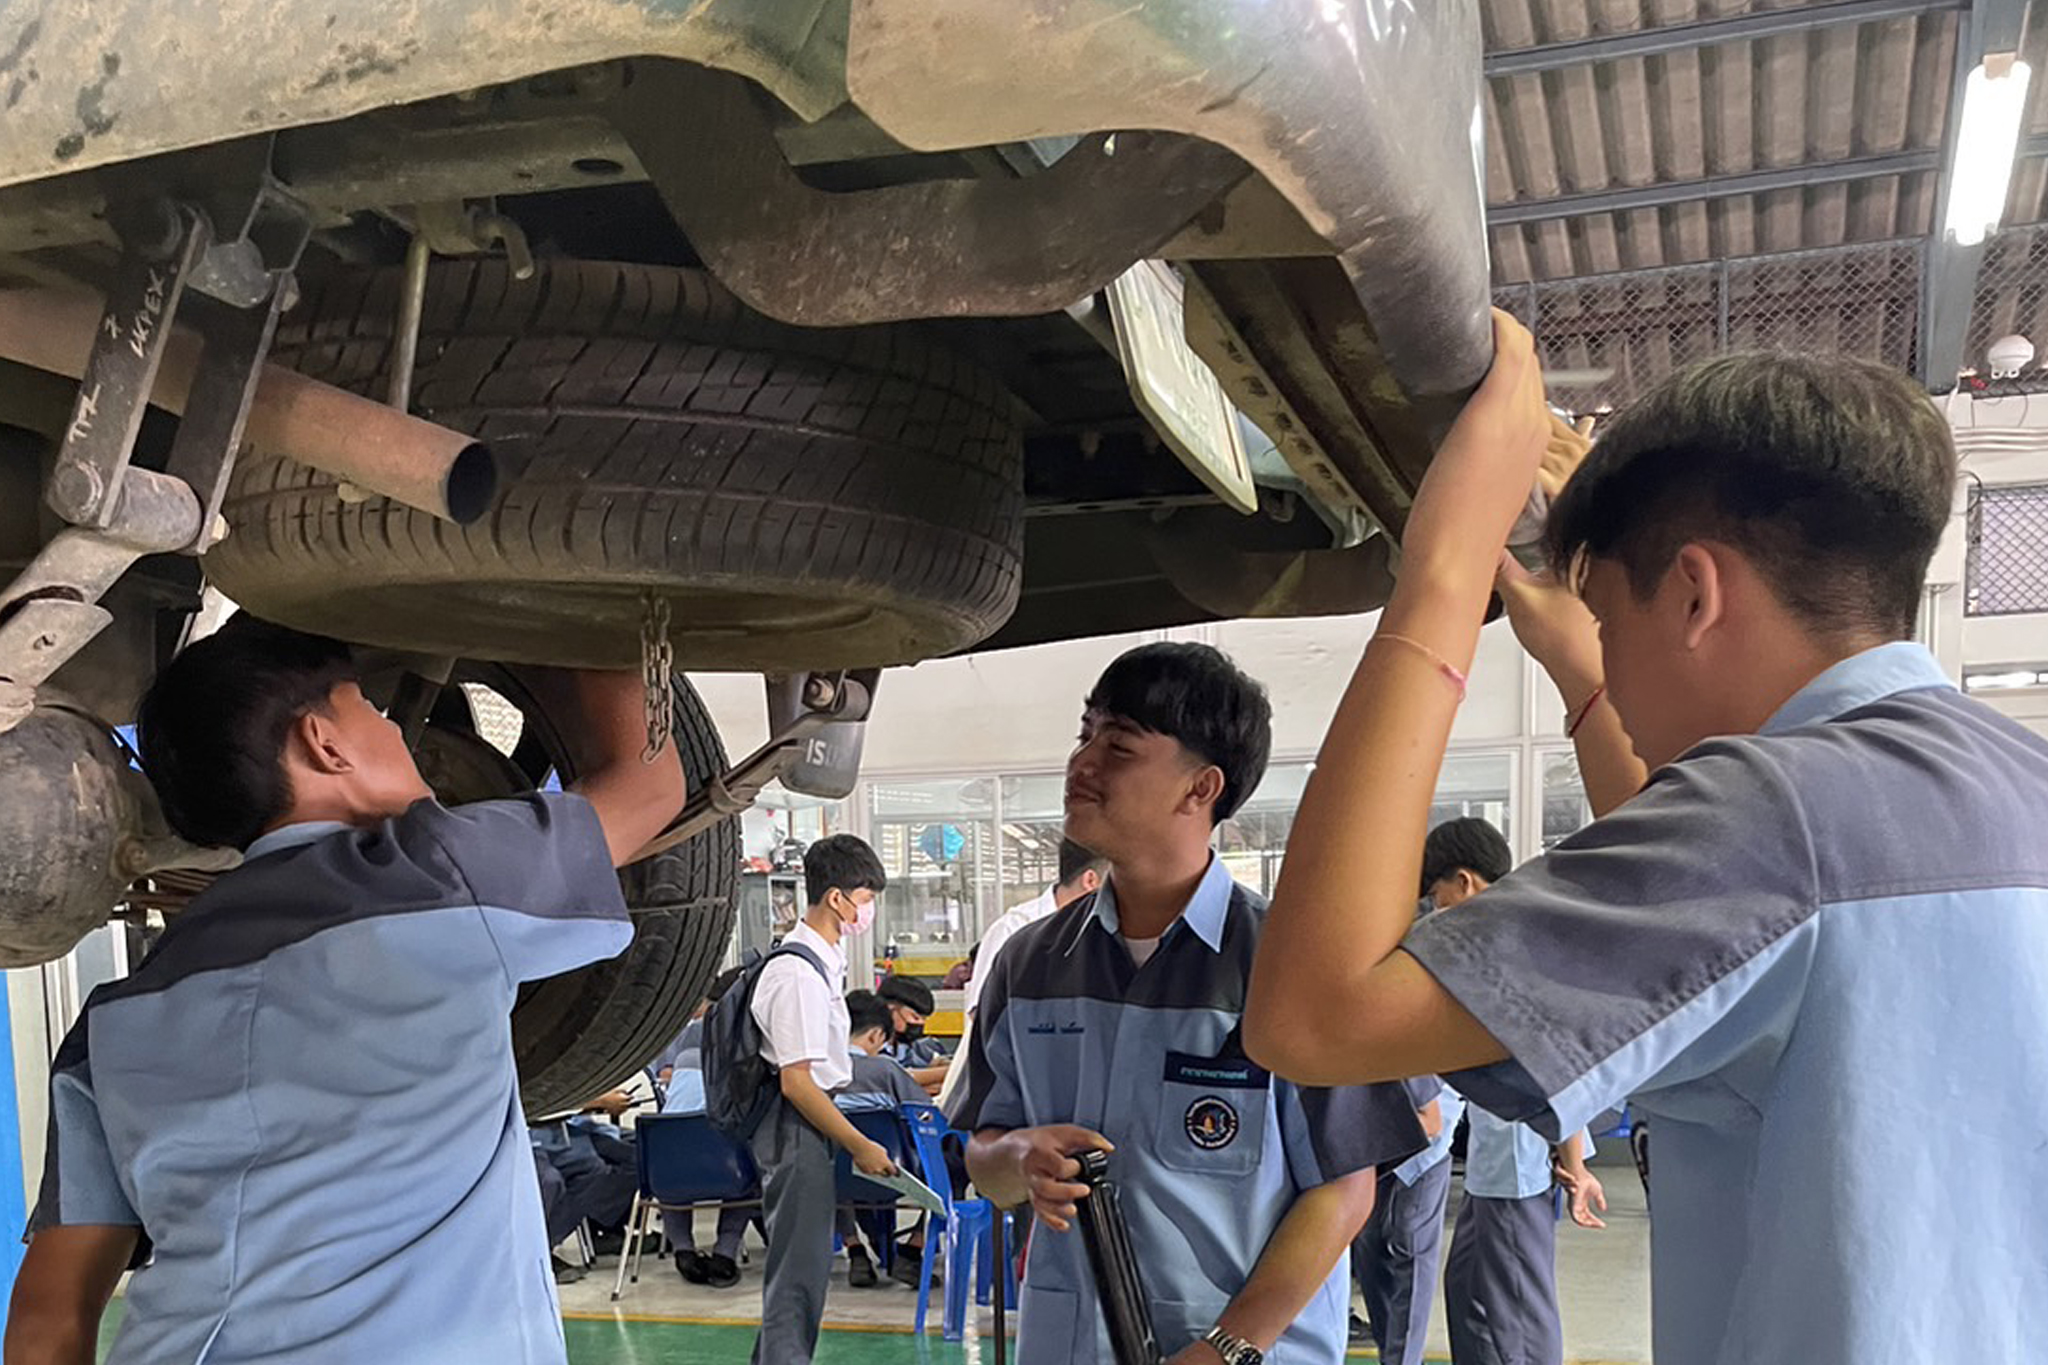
(1234, 1350)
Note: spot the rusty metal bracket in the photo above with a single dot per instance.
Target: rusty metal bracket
(824, 704)
(948, 248)
(164, 243)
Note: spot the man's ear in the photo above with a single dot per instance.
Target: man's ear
(318, 742)
(1699, 577)
(1207, 788)
(1091, 881)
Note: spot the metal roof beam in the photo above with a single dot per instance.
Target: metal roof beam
(1707, 32)
(1668, 192)
(1948, 282)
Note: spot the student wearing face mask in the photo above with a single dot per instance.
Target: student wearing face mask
(911, 1004)
(799, 1004)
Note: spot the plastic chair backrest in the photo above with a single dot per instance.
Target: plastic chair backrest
(684, 1160)
(879, 1125)
(928, 1137)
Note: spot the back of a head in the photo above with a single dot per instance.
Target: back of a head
(842, 862)
(214, 725)
(1076, 861)
(1468, 843)
(907, 990)
(1196, 695)
(865, 1010)
(1834, 477)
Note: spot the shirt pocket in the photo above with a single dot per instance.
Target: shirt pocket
(1212, 1114)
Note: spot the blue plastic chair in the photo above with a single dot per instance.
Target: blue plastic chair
(967, 1228)
(684, 1162)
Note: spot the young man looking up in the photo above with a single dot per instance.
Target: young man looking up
(379, 931)
(1812, 935)
(801, 1012)
(1114, 1025)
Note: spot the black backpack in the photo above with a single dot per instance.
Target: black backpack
(739, 1084)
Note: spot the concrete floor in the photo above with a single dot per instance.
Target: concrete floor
(1603, 1286)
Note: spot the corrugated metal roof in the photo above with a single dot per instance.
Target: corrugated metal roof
(1787, 100)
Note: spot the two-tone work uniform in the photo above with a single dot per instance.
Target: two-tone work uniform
(305, 1098)
(1801, 954)
(802, 1016)
(1211, 1152)
(1395, 1258)
(1500, 1279)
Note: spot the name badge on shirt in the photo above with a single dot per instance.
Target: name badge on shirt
(1225, 1073)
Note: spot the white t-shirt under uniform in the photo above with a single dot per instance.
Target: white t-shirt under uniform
(802, 1015)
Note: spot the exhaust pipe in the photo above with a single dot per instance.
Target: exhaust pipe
(358, 440)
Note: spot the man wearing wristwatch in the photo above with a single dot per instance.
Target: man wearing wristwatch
(1113, 1024)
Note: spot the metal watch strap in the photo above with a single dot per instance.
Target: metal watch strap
(1234, 1350)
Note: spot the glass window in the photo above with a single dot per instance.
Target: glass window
(1034, 822)
(1565, 810)
(1253, 843)
(773, 836)
(937, 839)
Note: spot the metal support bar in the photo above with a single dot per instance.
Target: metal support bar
(405, 336)
(223, 390)
(119, 374)
(945, 248)
(1948, 278)
(1707, 32)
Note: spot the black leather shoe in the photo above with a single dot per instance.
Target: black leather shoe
(693, 1266)
(720, 1272)
(860, 1271)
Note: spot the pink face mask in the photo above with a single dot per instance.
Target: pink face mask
(863, 916)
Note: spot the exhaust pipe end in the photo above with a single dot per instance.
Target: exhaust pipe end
(472, 484)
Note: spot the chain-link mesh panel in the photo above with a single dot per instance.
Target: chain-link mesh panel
(1606, 338)
(2008, 565)
(2012, 294)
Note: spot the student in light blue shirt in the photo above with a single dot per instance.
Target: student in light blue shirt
(298, 1214)
(1807, 929)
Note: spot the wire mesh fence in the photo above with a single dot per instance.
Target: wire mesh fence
(2012, 292)
(2007, 572)
(1606, 338)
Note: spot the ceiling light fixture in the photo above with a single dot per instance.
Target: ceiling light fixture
(1994, 107)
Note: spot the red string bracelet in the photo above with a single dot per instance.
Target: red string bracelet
(1572, 730)
(1443, 665)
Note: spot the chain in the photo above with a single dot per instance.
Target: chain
(657, 673)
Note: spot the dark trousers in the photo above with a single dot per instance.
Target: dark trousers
(1395, 1259)
(1500, 1283)
(798, 1195)
(732, 1229)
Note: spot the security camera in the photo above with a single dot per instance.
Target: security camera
(2008, 356)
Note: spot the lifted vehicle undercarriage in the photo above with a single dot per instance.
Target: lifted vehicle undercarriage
(803, 337)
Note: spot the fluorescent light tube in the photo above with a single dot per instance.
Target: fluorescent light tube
(1994, 107)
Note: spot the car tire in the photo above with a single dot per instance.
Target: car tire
(800, 498)
(580, 1034)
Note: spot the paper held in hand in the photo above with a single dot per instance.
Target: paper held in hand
(912, 1189)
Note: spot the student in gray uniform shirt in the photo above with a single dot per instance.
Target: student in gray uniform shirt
(1113, 1024)
(1807, 929)
(879, 1082)
(379, 931)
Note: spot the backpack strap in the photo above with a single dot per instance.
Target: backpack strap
(800, 950)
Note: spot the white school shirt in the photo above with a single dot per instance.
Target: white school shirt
(803, 1015)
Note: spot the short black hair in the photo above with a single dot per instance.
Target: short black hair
(1469, 843)
(1194, 694)
(842, 862)
(866, 1010)
(907, 990)
(1075, 860)
(1833, 476)
(213, 726)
